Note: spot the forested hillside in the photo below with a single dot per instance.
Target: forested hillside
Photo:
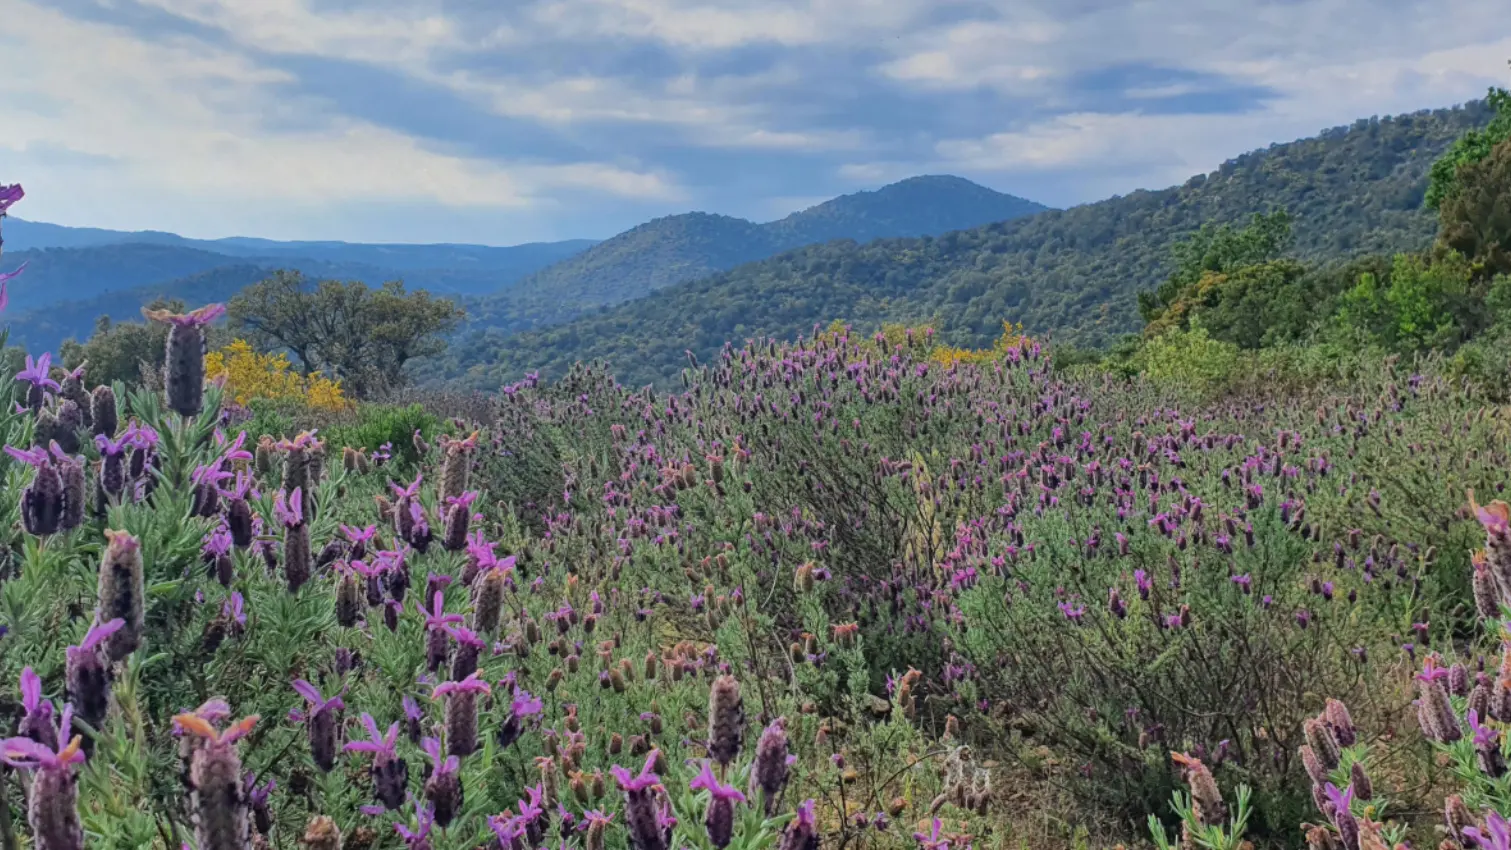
(685, 247)
(1072, 275)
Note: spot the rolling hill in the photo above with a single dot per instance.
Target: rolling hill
(1075, 273)
(516, 260)
(685, 247)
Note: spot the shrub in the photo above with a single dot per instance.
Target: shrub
(378, 425)
(251, 375)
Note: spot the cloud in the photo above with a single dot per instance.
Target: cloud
(478, 120)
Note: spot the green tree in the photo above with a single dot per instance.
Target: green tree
(1217, 251)
(1476, 220)
(347, 330)
(1474, 145)
(1422, 304)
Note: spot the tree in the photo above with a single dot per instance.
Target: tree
(1217, 251)
(346, 330)
(1476, 220)
(1445, 180)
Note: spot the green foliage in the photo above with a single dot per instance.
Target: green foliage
(1076, 273)
(1217, 250)
(679, 248)
(377, 425)
(1189, 358)
(1476, 220)
(1421, 305)
(361, 336)
(1473, 146)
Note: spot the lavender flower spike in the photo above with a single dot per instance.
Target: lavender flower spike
(37, 717)
(444, 788)
(220, 799)
(185, 356)
(321, 723)
(88, 674)
(419, 837)
(390, 773)
(53, 808)
(719, 820)
(461, 713)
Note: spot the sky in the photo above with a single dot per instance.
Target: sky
(508, 121)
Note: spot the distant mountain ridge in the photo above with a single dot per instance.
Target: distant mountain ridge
(1073, 274)
(23, 235)
(678, 248)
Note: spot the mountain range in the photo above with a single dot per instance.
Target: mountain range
(685, 247)
(76, 275)
(1070, 274)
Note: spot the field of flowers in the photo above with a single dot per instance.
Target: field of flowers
(832, 594)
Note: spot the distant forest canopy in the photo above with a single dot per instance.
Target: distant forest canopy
(1073, 276)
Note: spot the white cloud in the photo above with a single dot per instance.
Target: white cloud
(182, 119)
(1151, 150)
(392, 36)
(701, 25)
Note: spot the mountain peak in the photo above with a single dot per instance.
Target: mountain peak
(676, 248)
(927, 205)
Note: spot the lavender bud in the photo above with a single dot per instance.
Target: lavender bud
(1341, 722)
(102, 412)
(185, 357)
(42, 501)
(1363, 788)
(769, 771)
(296, 555)
(1322, 741)
(53, 809)
(454, 532)
(488, 601)
(219, 796)
(726, 720)
(461, 723)
(348, 600)
(239, 522)
(1479, 700)
(74, 494)
(443, 790)
(455, 469)
(122, 594)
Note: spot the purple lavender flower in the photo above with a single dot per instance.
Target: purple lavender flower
(461, 713)
(443, 789)
(419, 837)
(523, 705)
(390, 773)
(321, 723)
(184, 367)
(37, 375)
(1495, 836)
(640, 812)
(720, 817)
(88, 674)
(802, 832)
(436, 621)
(53, 809)
(42, 500)
(37, 714)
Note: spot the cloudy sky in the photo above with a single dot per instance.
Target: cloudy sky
(505, 121)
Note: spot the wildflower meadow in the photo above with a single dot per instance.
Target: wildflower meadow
(844, 592)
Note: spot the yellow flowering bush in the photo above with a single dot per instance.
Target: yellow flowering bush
(1012, 337)
(249, 374)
